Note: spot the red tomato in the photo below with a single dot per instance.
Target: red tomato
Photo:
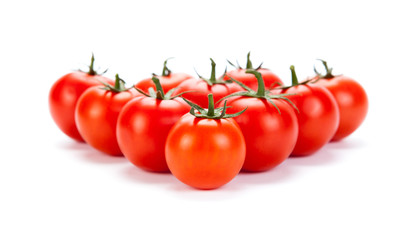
(205, 153)
(318, 115)
(197, 90)
(143, 126)
(63, 98)
(270, 136)
(168, 80)
(351, 98)
(97, 112)
(270, 79)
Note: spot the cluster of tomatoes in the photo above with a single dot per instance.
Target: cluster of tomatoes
(206, 130)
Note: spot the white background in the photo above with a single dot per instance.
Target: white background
(364, 187)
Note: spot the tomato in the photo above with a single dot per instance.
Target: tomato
(269, 78)
(168, 80)
(351, 98)
(143, 126)
(205, 150)
(197, 90)
(269, 126)
(97, 112)
(64, 94)
(318, 115)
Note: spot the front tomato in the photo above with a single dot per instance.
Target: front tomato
(97, 112)
(143, 126)
(205, 150)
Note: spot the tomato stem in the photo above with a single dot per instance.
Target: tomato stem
(159, 88)
(249, 64)
(261, 92)
(166, 71)
(119, 83)
(210, 105)
(212, 79)
(118, 87)
(91, 67)
(328, 74)
(294, 76)
(211, 112)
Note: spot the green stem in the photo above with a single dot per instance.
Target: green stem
(211, 112)
(325, 65)
(294, 76)
(261, 92)
(249, 64)
(328, 70)
(159, 88)
(91, 67)
(166, 70)
(118, 87)
(119, 84)
(212, 79)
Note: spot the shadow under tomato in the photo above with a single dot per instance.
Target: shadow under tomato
(280, 173)
(322, 157)
(228, 187)
(92, 155)
(72, 145)
(95, 156)
(347, 143)
(168, 181)
(290, 168)
(137, 175)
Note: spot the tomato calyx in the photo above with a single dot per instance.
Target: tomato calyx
(92, 71)
(211, 112)
(159, 92)
(213, 80)
(294, 79)
(249, 64)
(119, 85)
(166, 71)
(260, 93)
(328, 74)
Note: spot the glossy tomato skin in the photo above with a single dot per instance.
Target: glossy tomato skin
(270, 137)
(352, 102)
(63, 98)
(318, 117)
(201, 89)
(270, 79)
(96, 116)
(142, 129)
(205, 153)
(167, 82)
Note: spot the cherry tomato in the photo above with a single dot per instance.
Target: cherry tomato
(269, 126)
(351, 98)
(269, 78)
(205, 150)
(318, 115)
(64, 94)
(168, 80)
(197, 90)
(97, 112)
(143, 126)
